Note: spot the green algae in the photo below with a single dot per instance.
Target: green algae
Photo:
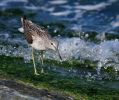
(85, 64)
(14, 68)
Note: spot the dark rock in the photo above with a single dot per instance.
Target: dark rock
(11, 90)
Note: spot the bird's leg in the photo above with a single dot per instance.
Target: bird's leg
(35, 70)
(42, 70)
(59, 54)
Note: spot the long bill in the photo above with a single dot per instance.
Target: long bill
(58, 52)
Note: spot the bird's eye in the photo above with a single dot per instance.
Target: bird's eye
(51, 43)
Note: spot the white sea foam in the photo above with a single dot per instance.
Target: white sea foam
(32, 7)
(57, 2)
(92, 7)
(96, 6)
(5, 2)
(115, 23)
(62, 13)
(104, 52)
(51, 9)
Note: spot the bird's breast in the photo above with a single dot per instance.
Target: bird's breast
(38, 44)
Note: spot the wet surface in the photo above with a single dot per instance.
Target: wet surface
(84, 29)
(80, 15)
(13, 90)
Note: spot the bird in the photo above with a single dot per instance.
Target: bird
(38, 38)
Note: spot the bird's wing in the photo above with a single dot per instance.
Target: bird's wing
(28, 35)
(41, 31)
(31, 28)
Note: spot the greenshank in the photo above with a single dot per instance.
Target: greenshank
(39, 39)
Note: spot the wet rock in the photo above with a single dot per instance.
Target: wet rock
(11, 90)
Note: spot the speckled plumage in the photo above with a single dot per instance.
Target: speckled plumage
(38, 38)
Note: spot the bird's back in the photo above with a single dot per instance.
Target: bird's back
(36, 36)
(31, 29)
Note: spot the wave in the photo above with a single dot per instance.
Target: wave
(105, 52)
(99, 16)
(96, 6)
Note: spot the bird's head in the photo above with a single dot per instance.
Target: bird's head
(54, 44)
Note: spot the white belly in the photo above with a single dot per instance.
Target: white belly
(38, 44)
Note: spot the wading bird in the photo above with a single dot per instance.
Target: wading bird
(39, 39)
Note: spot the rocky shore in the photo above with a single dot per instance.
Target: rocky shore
(11, 90)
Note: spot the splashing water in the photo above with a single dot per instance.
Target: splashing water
(75, 15)
(106, 53)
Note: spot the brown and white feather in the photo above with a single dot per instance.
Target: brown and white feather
(36, 36)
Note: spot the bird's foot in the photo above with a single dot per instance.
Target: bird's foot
(42, 71)
(35, 73)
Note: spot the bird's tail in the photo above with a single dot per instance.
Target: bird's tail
(23, 19)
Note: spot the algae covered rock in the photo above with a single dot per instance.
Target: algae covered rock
(11, 90)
